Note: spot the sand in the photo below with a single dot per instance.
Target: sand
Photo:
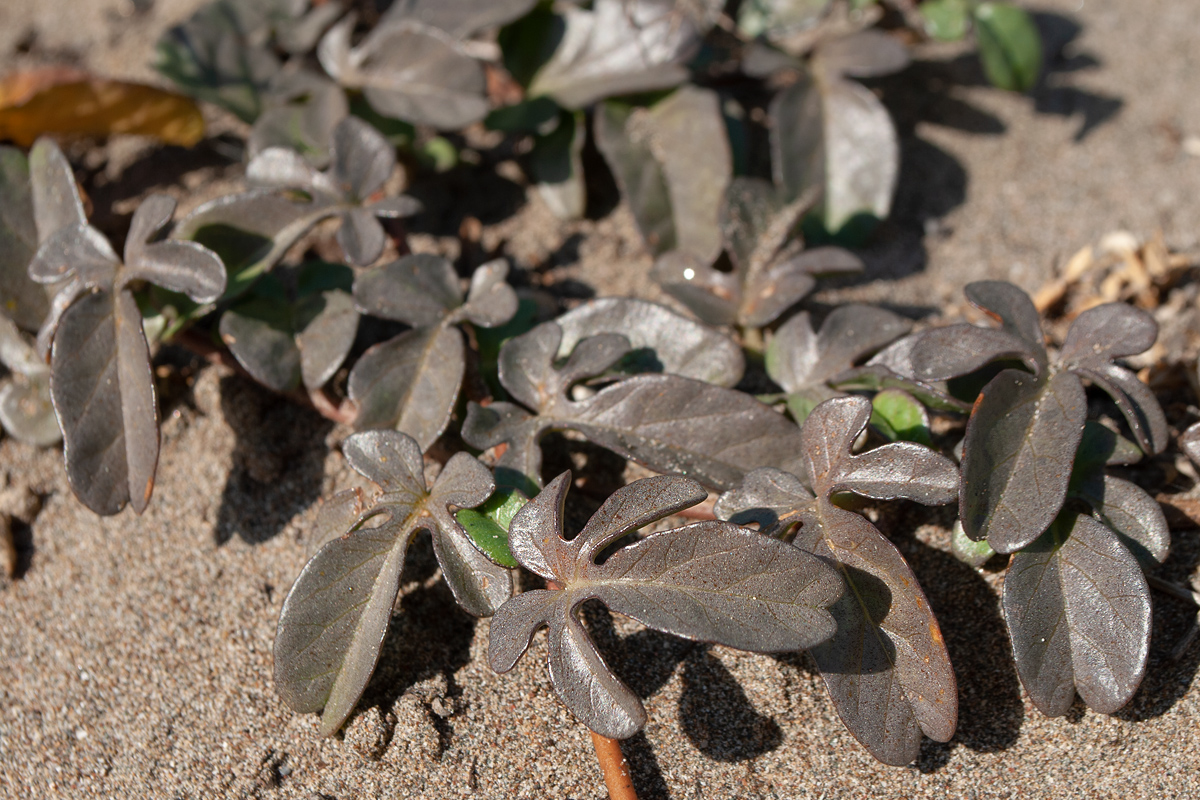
(135, 652)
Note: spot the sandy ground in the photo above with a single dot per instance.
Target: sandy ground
(135, 652)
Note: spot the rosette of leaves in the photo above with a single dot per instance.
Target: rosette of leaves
(293, 332)
(411, 382)
(1027, 424)
(26, 411)
(831, 132)
(618, 47)
(672, 162)
(668, 423)
(100, 378)
(661, 340)
(771, 269)
(223, 53)
(408, 70)
(336, 615)
(361, 161)
(709, 581)
(805, 362)
(886, 668)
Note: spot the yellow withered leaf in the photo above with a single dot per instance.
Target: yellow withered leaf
(66, 101)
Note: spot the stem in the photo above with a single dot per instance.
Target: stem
(615, 768)
(316, 399)
(608, 753)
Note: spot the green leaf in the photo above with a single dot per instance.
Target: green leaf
(967, 551)
(946, 19)
(529, 42)
(438, 153)
(488, 524)
(1009, 46)
(899, 417)
(526, 116)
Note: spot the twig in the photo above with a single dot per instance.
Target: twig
(608, 753)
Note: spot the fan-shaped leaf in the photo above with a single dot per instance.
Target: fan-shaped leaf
(710, 581)
(337, 613)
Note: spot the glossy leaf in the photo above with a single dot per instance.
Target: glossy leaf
(300, 111)
(1126, 508)
(410, 383)
(488, 525)
(802, 361)
(619, 47)
(284, 341)
(1020, 444)
(1114, 330)
(101, 384)
(1078, 610)
(337, 613)
(1009, 46)
(833, 133)
(710, 581)
(361, 160)
(408, 71)
(886, 668)
(668, 423)
(1189, 442)
(459, 18)
(672, 162)
(669, 342)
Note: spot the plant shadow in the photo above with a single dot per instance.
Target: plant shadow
(1168, 677)
(278, 461)
(990, 710)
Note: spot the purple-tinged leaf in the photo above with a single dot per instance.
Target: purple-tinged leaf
(103, 393)
(410, 383)
(710, 581)
(899, 469)
(184, 267)
(1189, 442)
(672, 162)
(789, 279)
(56, 201)
(300, 111)
(668, 423)
(866, 54)
(418, 289)
(1013, 309)
(1019, 448)
(619, 47)
(490, 302)
(711, 295)
(676, 344)
(459, 18)
(1078, 611)
(1105, 332)
(797, 358)
(337, 613)
(408, 71)
(886, 668)
(361, 160)
(956, 350)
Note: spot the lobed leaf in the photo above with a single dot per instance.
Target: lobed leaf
(1078, 610)
(709, 581)
(336, 615)
(668, 423)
